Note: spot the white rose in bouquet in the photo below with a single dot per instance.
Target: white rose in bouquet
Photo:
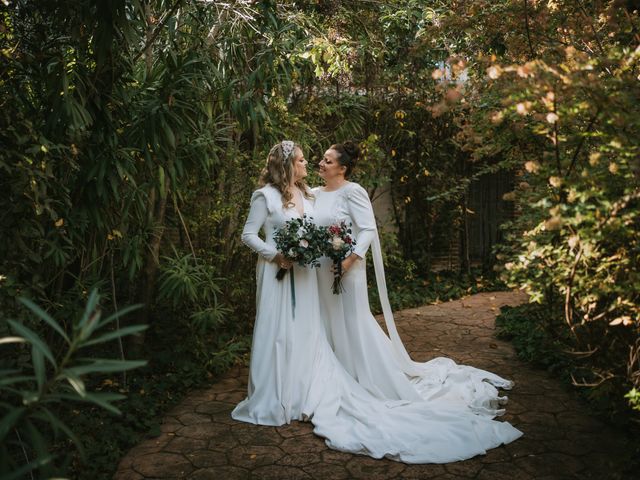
(337, 243)
(304, 243)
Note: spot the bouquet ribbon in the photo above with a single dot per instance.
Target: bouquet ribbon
(293, 296)
(337, 277)
(280, 275)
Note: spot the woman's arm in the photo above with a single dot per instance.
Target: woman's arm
(361, 213)
(258, 213)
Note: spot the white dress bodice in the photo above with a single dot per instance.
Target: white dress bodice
(350, 204)
(268, 214)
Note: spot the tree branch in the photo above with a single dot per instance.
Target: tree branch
(582, 140)
(526, 21)
(156, 31)
(589, 20)
(555, 139)
(568, 307)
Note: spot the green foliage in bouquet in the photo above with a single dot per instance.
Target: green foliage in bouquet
(301, 241)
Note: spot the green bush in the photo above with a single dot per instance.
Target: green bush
(562, 114)
(575, 243)
(540, 337)
(37, 389)
(533, 330)
(174, 368)
(409, 287)
(634, 398)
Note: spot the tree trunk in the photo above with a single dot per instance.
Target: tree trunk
(465, 261)
(148, 56)
(150, 270)
(156, 215)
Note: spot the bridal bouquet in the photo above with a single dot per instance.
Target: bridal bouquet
(338, 244)
(301, 241)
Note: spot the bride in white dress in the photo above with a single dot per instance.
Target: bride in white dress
(295, 375)
(380, 363)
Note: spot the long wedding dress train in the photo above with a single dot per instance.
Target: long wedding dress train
(295, 375)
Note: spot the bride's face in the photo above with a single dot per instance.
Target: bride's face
(299, 165)
(330, 166)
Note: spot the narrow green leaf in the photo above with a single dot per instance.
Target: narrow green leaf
(38, 366)
(56, 397)
(89, 310)
(44, 316)
(106, 365)
(119, 314)
(21, 472)
(10, 420)
(33, 338)
(75, 381)
(12, 340)
(46, 415)
(161, 181)
(12, 391)
(30, 396)
(118, 333)
(103, 399)
(12, 380)
(168, 132)
(35, 439)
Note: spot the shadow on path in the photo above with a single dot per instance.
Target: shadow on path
(561, 440)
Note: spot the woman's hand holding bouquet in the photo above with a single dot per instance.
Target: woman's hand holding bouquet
(339, 243)
(300, 241)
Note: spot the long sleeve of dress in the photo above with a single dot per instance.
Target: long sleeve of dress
(361, 213)
(258, 213)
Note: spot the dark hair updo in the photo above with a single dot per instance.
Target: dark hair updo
(348, 153)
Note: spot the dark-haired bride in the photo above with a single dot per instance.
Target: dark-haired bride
(379, 362)
(294, 373)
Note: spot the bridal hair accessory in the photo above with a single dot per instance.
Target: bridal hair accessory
(287, 149)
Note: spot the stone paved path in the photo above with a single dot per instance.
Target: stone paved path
(561, 440)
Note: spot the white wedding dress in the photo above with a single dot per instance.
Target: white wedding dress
(295, 375)
(379, 363)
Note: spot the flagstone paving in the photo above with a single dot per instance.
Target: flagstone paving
(561, 440)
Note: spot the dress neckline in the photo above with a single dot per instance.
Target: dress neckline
(322, 189)
(304, 207)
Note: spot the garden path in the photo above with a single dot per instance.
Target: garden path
(561, 440)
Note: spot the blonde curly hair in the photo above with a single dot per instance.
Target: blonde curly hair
(279, 171)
